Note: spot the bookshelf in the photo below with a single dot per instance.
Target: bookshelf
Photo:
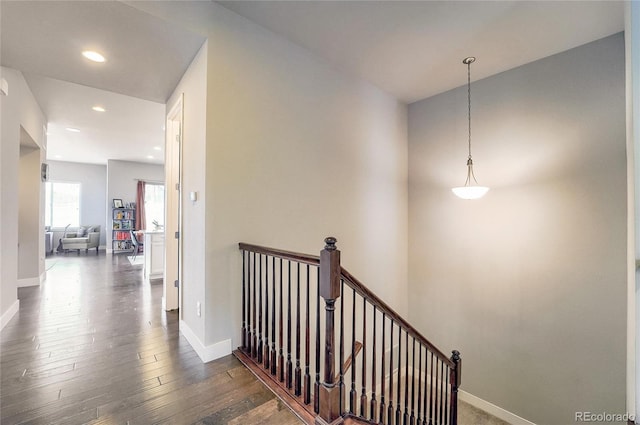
(124, 220)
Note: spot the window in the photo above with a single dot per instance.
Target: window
(153, 205)
(62, 205)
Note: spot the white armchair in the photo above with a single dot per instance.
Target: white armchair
(87, 237)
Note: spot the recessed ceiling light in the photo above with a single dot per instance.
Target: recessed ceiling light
(157, 148)
(58, 156)
(73, 130)
(98, 108)
(150, 156)
(93, 56)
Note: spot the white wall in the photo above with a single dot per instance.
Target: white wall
(122, 183)
(93, 191)
(529, 283)
(19, 108)
(194, 87)
(297, 151)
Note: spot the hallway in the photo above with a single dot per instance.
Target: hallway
(91, 345)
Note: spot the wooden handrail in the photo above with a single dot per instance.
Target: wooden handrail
(313, 260)
(372, 298)
(354, 283)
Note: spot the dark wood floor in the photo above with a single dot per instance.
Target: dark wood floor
(92, 346)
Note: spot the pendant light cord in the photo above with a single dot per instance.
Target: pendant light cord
(469, 101)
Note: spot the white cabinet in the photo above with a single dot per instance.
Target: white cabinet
(153, 255)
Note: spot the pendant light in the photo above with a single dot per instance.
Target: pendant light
(471, 189)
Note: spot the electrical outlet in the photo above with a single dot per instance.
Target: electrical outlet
(198, 309)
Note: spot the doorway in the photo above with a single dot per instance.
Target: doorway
(29, 194)
(172, 293)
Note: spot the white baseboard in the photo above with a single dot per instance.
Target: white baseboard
(8, 315)
(31, 281)
(492, 409)
(209, 352)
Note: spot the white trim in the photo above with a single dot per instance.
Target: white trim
(492, 409)
(43, 277)
(30, 281)
(8, 315)
(209, 352)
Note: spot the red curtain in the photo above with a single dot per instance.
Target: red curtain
(140, 215)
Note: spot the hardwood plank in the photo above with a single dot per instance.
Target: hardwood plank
(92, 345)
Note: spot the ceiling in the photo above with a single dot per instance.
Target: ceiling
(146, 57)
(414, 49)
(410, 49)
(130, 129)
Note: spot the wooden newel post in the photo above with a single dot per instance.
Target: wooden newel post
(329, 394)
(455, 379)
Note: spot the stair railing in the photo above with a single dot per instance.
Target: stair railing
(393, 374)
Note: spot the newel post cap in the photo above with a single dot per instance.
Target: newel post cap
(455, 356)
(330, 242)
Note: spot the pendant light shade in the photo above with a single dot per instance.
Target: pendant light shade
(471, 189)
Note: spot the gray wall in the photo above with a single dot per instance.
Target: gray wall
(122, 184)
(528, 283)
(297, 151)
(19, 110)
(93, 191)
(194, 87)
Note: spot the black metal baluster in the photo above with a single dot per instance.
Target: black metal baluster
(441, 387)
(352, 394)
(399, 389)
(254, 345)
(382, 377)
(341, 381)
(437, 393)
(406, 379)
(289, 363)
(267, 356)
(431, 392)
(374, 406)
(363, 394)
(274, 354)
(260, 344)
(412, 419)
(390, 412)
(426, 385)
(244, 319)
(307, 377)
(280, 333)
(447, 395)
(298, 372)
(419, 384)
(316, 389)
